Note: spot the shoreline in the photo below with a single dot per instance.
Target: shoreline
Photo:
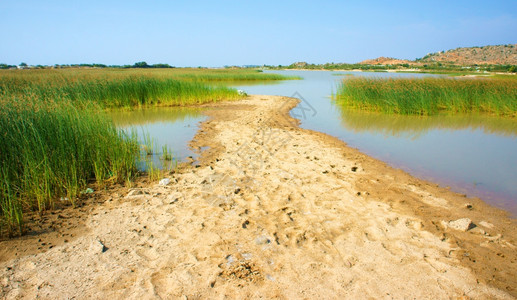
(278, 211)
(410, 71)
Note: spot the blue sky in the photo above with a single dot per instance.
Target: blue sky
(217, 33)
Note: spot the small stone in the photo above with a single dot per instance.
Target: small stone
(463, 224)
(230, 259)
(87, 191)
(260, 240)
(245, 224)
(98, 246)
(354, 169)
(134, 193)
(164, 181)
(486, 224)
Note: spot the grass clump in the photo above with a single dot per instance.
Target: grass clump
(166, 153)
(429, 96)
(52, 149)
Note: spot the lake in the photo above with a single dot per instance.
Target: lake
(473, 154)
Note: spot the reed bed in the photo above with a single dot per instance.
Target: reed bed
(50, 150)
(60, 76)
(125, 92)
(429, 96)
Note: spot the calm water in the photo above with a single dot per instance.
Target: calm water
(171, 126)
(475, 155)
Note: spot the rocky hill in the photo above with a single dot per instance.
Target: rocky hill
(492, 55)
(385, 61)
(489, 55)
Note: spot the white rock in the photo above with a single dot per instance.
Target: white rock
(463, 224)
(164, 181)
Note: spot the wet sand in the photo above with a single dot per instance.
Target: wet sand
(270, 210)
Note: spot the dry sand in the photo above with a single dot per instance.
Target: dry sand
(271, 210)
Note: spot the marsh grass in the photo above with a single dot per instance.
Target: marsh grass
(166, 153)
(149, 144)
(153, 171)
(126, 92)
(429, 96)
(59, 77)
(113, 88)
(53, 149)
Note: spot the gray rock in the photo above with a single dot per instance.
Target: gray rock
(98, 246)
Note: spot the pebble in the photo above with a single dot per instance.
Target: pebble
(230, 259)
(98, 246)
(261, 240)
(164, 181)
(486, 224)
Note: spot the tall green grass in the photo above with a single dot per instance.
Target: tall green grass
(125, 92)
(50, 150)
(429, 96)
(112, 88)
(234, 76)
(60, 76)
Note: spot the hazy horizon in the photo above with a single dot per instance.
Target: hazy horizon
(202, 33)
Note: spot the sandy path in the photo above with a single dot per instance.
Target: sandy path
(276, 211)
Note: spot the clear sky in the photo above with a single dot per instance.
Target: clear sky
(217, 33)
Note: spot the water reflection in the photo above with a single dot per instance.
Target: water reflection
(416, 126)
(474, 154)
(173, 127)
(249, 82)
(149, 115)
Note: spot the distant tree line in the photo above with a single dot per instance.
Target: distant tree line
(141, 64)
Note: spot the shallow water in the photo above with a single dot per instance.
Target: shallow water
(174, 127)
(473, 154)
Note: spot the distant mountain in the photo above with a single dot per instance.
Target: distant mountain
(467, 56)
(386, 61)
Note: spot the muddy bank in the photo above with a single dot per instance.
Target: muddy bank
(276, 211)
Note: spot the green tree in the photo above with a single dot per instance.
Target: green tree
(141, 64)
